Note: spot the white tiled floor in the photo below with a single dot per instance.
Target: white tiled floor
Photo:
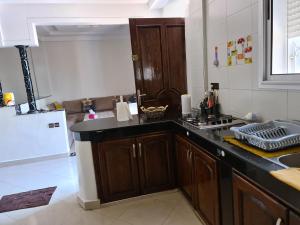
(161, 209)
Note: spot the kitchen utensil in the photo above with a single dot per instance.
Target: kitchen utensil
(216, 61)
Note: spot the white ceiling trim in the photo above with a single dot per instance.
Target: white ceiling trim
(82, 38)
(82, 32)
(74, 1)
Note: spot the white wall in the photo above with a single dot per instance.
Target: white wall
(71, 69)
(192, 11)
(40, 71)
(18, 21)
(231, 19)
(28, 136)
(227, 19)
(239, 94)
(195, 51)
(84, 69)
(176, 8)
(11, 75)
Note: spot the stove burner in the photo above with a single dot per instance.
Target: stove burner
(211, 121)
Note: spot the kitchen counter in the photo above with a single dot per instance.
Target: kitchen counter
(248, 164)
(111, 123)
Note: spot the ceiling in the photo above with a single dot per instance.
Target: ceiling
(80, 31)
(77, 1)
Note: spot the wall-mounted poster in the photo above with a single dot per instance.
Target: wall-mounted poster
(248, 50)
(231, 53)
(239, 52)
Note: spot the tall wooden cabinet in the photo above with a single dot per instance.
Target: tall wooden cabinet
(198, 178)
(158, 49)
(134, 166)
(252, 206)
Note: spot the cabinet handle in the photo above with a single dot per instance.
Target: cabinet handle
(133, 151)
(279, 221)
(191, 155)
(220, 153)
(140, 150)
(139, 96)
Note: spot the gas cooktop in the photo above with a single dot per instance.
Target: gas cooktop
(211, 121)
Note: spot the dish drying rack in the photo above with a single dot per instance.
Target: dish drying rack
(270, 136)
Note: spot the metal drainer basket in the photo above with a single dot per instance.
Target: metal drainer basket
(270, 136)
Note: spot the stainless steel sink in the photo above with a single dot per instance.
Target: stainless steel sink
(286, 161)
(292, 160)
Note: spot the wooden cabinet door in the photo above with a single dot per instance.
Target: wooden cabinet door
(158, 48)
(175, 47)
(155, 162)
(254, 207)
(184, 166)
(205, 178)
(118, 169)
(294, 219)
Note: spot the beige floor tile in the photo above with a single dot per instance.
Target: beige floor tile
(168, 208)
(120, 222)
(147, 212)
(64, 214)
(4, 220)
(114, 211)
(183, 215)
(172, 198)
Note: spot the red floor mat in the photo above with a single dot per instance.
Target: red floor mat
(26, 200)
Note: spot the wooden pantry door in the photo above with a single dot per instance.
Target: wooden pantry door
(158, 53)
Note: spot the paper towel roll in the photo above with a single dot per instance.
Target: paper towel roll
(123, 112)
(186, 104)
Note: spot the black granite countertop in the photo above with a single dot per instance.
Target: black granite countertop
(252, 166)
(112, 123)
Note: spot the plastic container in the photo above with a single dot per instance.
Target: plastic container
(270, 136)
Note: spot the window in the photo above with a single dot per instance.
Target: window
(279, 38)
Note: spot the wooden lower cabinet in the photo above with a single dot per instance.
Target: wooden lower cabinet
(252, 206)
(130, 167)
(184, 166)
(155, 162)
(145, 164)
(198, 179)
(294, 219)
(206, 195)
(118, 169)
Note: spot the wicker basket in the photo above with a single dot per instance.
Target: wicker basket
(152, 113)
